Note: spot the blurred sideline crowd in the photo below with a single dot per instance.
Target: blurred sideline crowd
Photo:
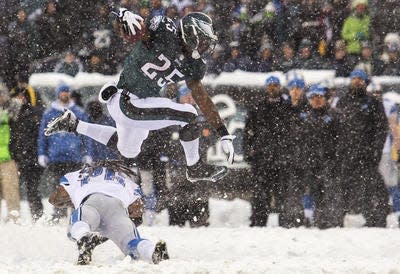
(314, 155)
(69, 36)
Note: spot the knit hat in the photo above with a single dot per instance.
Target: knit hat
(272, 80)
(354, 3)
(305, 43)
(183, 90)
(61, 88)
(360, 74)
(315, 90)
(296, 82)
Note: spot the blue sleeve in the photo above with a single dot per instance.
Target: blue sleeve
(64, 181)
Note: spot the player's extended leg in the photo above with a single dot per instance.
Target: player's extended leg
(136, 116)
(85, 220)
(118, 227)
(151, 113)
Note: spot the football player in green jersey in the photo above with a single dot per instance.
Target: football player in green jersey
(163, 53)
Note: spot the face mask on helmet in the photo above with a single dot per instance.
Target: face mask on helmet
(197, 33)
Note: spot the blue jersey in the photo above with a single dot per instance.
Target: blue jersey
(80, 184)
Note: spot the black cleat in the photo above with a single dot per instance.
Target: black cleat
(160, 252)
(205, 172)
(66, 122)
(86, 246)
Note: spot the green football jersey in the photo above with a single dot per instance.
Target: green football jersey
(159, 62)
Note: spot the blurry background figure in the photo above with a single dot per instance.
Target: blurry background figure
(23, 146)
(215, 61)
(322, 194)
(392, 65)
(356, 27)
(265, 145)
(64, 152)
(22, 83)
(308, 57)
(157, 8)
(265, 62)
(99, 63)
(70, 65)
(368, 62)
(76, 97)
(9, 178)
(286, 62)
(391, 40)
(362, 133)
(237, 61)
(388, 165)
(340, 61)
(296, 91)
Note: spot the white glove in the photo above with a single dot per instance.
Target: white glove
(43, 160)
(227, 147)
(130, 21)
(87, 159)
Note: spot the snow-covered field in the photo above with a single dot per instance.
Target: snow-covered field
(227, 246)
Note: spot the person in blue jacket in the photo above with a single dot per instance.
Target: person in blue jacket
(65, 152)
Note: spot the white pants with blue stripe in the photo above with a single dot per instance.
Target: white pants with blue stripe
(107, 215)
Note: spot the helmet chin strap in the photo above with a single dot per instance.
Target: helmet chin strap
(195, 54)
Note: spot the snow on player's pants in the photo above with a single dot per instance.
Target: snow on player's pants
(135, 117)
(107, 215)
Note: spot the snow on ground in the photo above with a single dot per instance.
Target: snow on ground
(227, 246)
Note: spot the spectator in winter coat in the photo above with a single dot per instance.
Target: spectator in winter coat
(52, 30)
(21, 44)
(215, 62)
(237, 61)
(266, 62)
(23, 146)
(9, 182)
(308, 58)
(98, 63)
(341, 62)
(70, 65)
(311, 26)
(157, 8)
(356, 27)
(321, 189)
(296, 113)
(362, 133)
(287, 61)
(265, 137)
(368, 61)
(65, 152)
(392, 66)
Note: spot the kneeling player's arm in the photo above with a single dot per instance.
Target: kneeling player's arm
(136, 210)
(60, 198)
(206, 105)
